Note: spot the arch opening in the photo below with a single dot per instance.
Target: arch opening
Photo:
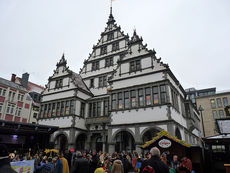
(61, 142)
(149, 134)
(80, 142)
(124, 141)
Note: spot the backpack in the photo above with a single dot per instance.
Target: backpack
(148, 169)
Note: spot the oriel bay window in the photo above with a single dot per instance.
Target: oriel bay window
(94, 109)
(114, 101)
(133, 98)
(82, 114)
(72, 110)
(120, 100)
(58, 109)
(49, 110)
(106, 107)
(141, 97)
(53, 109)
(67, 108)
(147, 96)
(163, 94)
(62, 108)
(127, 99)
(155, 95)
(45, 111)
(98, 109)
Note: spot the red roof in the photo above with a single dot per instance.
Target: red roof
(32, 87)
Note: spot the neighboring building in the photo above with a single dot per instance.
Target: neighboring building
(34, 91)
(213, 108)
(123, 96)
(15, 102)
(192, 93)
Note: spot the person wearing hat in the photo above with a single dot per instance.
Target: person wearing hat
(5, 160)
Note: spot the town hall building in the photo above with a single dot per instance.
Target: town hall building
(123, 96)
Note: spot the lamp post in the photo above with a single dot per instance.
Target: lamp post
(201, 109)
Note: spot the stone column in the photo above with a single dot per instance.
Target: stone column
(88, 142)
(138, 147)
(111, 148)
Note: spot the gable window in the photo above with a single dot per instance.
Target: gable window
(219, 103)
(92, 83)
(133, 98)
(163, 95)
(103, 50)
(110, 36)
(147, 96)
(155, 95)
(135, 65)
(59, 83)
(103, 81)
(115, 46)
(225, 100)
(141, 97)
(95, 65)
(114, 99)
(213, 104)
(120, 100)
(109, 62)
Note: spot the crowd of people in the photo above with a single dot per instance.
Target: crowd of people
(92, 162)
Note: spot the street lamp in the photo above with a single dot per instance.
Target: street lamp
(201, 109)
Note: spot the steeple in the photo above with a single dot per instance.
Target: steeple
(111, 18)
(62, 61)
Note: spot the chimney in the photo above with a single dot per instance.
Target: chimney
(25, 79)
(13, 77)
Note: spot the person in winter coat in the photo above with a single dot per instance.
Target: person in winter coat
(58, 165)
(5, 160)
(48, 167)
(81, 165)
(127, 166)
(156, 163)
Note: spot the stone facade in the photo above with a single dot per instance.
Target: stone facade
(123, 96)
(213, 108)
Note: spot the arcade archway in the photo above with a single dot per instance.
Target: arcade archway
(149, 134)
(61, 142)
(124, 142)
(80, 142)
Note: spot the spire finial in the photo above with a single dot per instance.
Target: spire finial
(111, 6)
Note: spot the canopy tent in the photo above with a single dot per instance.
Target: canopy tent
(166, 142)
(161, 135)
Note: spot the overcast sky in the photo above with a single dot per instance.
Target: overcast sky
(192, 36)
